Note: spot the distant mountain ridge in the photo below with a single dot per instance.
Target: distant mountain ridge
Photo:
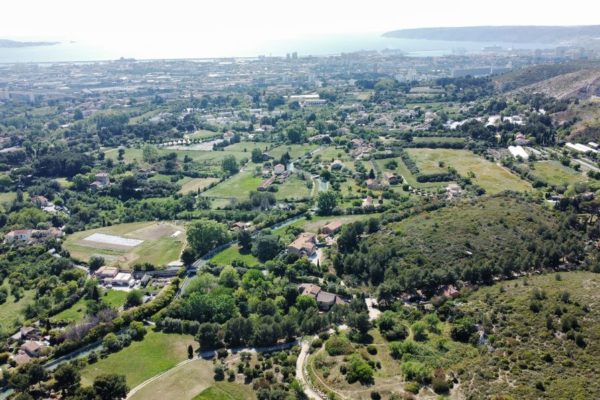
(10, 44)
(509, 34)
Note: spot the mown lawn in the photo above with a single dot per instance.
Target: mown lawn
(232, 253)
(183, 382)
(157, 353)
(226, 391)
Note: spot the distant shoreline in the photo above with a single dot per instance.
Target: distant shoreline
(13, 44)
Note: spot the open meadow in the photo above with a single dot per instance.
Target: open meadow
(492, 177)
(156, 353)
(157, 243)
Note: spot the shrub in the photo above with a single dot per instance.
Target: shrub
(416, 371)
(338, 345)
(359, 370)
(372, 349)
(412, 387)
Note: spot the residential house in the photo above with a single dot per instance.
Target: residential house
(375, 184)
(25, 332)
(279, 169)
(336, 165)
(325, 300)
(40, 201)
(305, 244)
(367, 202)
(19, 235)
(331, 228)
(102, 179)
(33, 348)
(390, 177)
(105, 272)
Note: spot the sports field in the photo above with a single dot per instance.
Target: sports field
(157, 243)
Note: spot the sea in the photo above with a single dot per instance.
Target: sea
(316, 45)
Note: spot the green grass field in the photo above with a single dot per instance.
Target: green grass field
(238, 186)
(114, 298)
(157, 353)
(8, 197)
(227, 256)
(438, 139)
(226, 391)
(203, 134)
(10, 311)
(408, 176)
(159, 247)
(195, 184)
(293, 188)
(492, 177)
(554, 173)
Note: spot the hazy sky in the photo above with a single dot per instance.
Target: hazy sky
(108, 19)
(220, 27)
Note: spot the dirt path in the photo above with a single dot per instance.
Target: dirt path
(301, 372)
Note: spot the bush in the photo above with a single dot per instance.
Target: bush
(416, 371)
(372, 349)
(338, 345)
(359, 370)
(412, 387)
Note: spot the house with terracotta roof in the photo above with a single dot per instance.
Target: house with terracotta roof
(325, 300)
(304, 245)
(331, 228)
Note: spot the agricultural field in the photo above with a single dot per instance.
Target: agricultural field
(491, 177)
(156, 353)
(438, 139)
(554, 173)
(192, 185)
(237, 187)
(408, 176)
(157, 243)
(293, 188)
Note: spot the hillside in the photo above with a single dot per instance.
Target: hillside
(535, 74)
(586, 115)
(543, 339)
(532, 338)
(581, 84)
(510, 34)
(473, 241)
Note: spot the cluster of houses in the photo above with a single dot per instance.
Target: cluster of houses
(361, 149)
(306, 243)
(30, 345)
